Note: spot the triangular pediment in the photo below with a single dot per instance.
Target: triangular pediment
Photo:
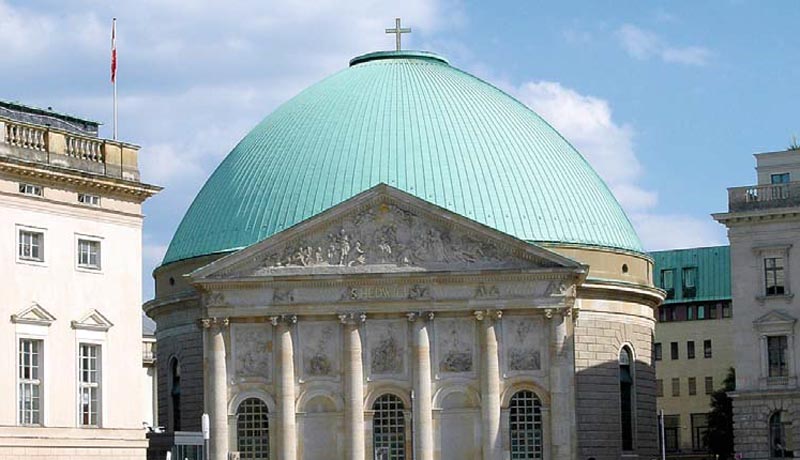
(775, 318)
(33, 314)
(93, 321)
(384, 230)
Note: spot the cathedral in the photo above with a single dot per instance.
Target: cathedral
(404, 262)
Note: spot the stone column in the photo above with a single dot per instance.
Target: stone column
(287, 428)
(490, 385)
(217, 387)
(353, 386)
(422, 410)
(562, 384)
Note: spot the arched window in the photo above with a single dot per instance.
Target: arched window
(525, 426)
(252, 429)
(389, 428)
(626, 397)
(175, 394)
(781, 444)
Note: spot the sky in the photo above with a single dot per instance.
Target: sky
(667, 100)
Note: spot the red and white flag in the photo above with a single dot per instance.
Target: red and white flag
(114, 51)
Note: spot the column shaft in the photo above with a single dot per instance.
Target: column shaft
(490, 392)
(286, 396)
(354, 393)
(217, 393)
(423, 412)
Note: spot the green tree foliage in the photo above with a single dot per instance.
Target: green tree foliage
(719, 436)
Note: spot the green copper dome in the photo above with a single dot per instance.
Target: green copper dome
(410, 120)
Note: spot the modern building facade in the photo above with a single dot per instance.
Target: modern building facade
(763, 222)
(70, 256)
(693, 349)
(405, 262)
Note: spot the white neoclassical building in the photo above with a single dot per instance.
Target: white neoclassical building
(70, 252)
(404, 262)
(763, 223)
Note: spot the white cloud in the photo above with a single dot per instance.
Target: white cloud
(643, 44)
(588, 123)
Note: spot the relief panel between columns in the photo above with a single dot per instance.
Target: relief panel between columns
(319, 343)
(455, 353)
(524, 345)
(252, 352)
(386, 349)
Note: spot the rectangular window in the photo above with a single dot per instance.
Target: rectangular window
(659, 388)
(89, 254)
(30, 189)
(689, 282)
(692, 386)
(776, 355)
(707, 353)
(701, 312)
(89, 384)
(690, 349)
(668, 282)
(690, 312)
(657, 351)
(773, 276)
(30, 382)
(712, 311)
(662, 314)
(726, 310)
(709, 385)
(782, 178)
(699, 429)
(676, 387)
(91, 200)
(31, 245)
(672, 429)
(673, 350)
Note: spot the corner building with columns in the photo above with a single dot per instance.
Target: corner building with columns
(404, 262)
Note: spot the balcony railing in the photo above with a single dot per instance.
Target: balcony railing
(756, 197)
(43, 144)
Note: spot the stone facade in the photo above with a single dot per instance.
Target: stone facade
(451, 321)
(763, 227)
(58, 301)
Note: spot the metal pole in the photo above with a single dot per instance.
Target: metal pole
(205, 423)
(663, 438)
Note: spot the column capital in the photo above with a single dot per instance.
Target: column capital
(352, 317)
(207, 323)
(480, 315)
(415, 315)
(287, 320)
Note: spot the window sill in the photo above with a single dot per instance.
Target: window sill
(89, 269)
(31, 262)
(764, 298)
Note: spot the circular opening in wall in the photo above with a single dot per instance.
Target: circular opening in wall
(171, 281)
(624, 268)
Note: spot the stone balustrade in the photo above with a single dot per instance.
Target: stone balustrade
(43, 144)
(756, 197)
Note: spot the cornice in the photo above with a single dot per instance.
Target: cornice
(734, 218)
(617, 290)
(55, 175)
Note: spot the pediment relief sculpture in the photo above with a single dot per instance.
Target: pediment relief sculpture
(384, 237)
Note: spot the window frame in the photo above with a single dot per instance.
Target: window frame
(690, 349)
(262, 442)
(88, 199)
(28, 189)
(692, 386)
(670, 290)
(676, 387)
(687, 291)
(39, 382)
(43, 247)
(97, 385)
(657, 351)
(708, 349)
(674, 351)
(762, 253)
(709, 384)
(784, 355)
(80, 238)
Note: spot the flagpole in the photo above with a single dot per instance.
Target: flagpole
(114, 70)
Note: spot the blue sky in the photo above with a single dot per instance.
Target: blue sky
(668, 100)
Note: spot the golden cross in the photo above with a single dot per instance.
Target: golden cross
(398, 31)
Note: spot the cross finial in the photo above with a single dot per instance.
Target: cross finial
(397, 31)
